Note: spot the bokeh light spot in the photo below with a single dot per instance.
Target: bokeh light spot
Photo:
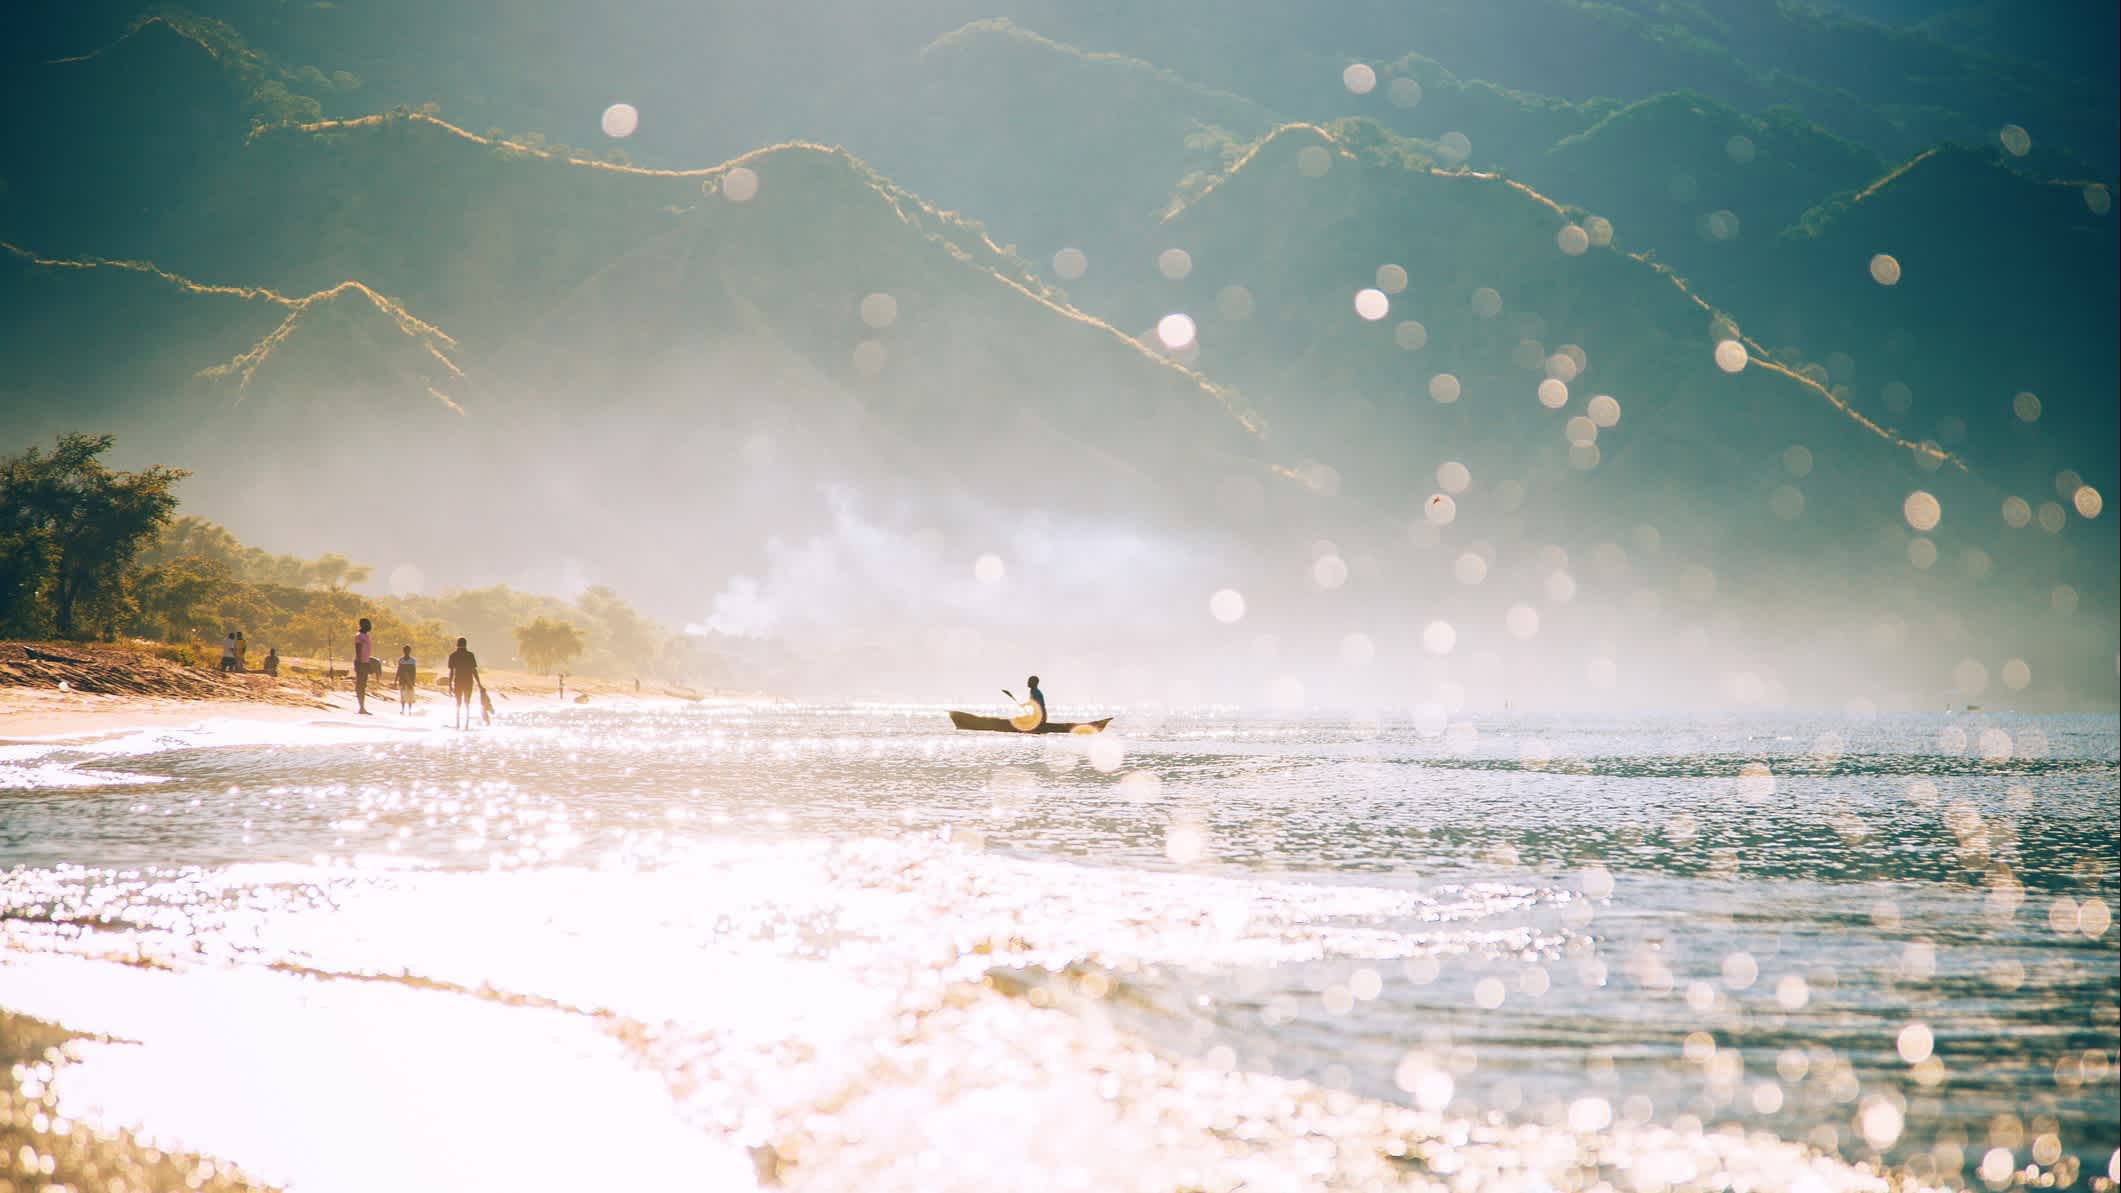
(1553, 394)
(1391, 278)
(1313, 161)
(1070, 263)
(1174, 264)
(1603, 410)
(1739, 149)
(1922, 511)
(1329, 571)
(2087, 501)
(1372, 305)
(1411, 336)
(1227, 606)
(1359, 79)
(740, 184)
(1487, 302)
(2016, 141)
(1438, 637)
(1404, 93)
(1453, 476)
(1522, 621)
(620, 121)
(989, 569)
(1885, 269)
(1970, 676)
(1443, 387)
(1730, 356)
(1175, 330)
(2026, 405)
(879, 310)
(1439, 509)
(1573, 240)
(1235, 303)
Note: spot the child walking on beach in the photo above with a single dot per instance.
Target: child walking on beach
(408, 670)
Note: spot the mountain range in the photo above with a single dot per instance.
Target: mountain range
(1025, 331)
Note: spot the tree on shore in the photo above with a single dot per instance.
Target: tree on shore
(546, 644)
(70, 528)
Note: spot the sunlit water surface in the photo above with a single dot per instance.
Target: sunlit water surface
(712, 946)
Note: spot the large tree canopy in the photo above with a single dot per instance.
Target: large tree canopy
(69, 529)
(546, 644)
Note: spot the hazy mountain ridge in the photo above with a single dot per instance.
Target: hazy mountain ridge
(1767, 478)
(791, 337)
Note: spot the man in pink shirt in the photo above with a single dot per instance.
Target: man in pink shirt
(363, 650)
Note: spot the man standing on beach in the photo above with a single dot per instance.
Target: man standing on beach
(228, 652)
(363, 651)
(463, 681)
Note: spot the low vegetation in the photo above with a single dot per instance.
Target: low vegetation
(88, 553)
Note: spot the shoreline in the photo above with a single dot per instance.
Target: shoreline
(57, 694)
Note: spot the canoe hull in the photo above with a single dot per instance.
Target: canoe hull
(966, 720)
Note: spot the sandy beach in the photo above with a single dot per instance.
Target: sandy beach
(73, 692)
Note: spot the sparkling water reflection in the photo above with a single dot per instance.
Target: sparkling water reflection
(1545, 950)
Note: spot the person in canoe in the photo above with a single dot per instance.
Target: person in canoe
(1036, 697)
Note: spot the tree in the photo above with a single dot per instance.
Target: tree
(546, 644)
(335, 572)
(70, 529)
(176, 598)
(627, 640)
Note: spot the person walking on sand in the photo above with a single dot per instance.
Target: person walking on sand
(242, 649)
(364, 652)
(463, 681)
(228, 652)
(408, 670)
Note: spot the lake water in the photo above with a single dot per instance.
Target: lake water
(720, 946)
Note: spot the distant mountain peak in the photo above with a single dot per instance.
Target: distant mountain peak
(349, 300)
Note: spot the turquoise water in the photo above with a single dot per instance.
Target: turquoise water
(834, 948)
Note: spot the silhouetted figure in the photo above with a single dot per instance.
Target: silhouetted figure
(1037, 697)
(228, 652)
(463, 681)
(270, 664)
(408, 671)
(364, 653)
(242, 649)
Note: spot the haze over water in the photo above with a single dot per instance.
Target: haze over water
(716, 945)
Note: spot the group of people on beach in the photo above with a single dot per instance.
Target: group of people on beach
(463, 669)
(234, 649)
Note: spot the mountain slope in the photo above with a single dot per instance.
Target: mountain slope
(1790, 496)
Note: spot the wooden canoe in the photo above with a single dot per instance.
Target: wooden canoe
(966, 720)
